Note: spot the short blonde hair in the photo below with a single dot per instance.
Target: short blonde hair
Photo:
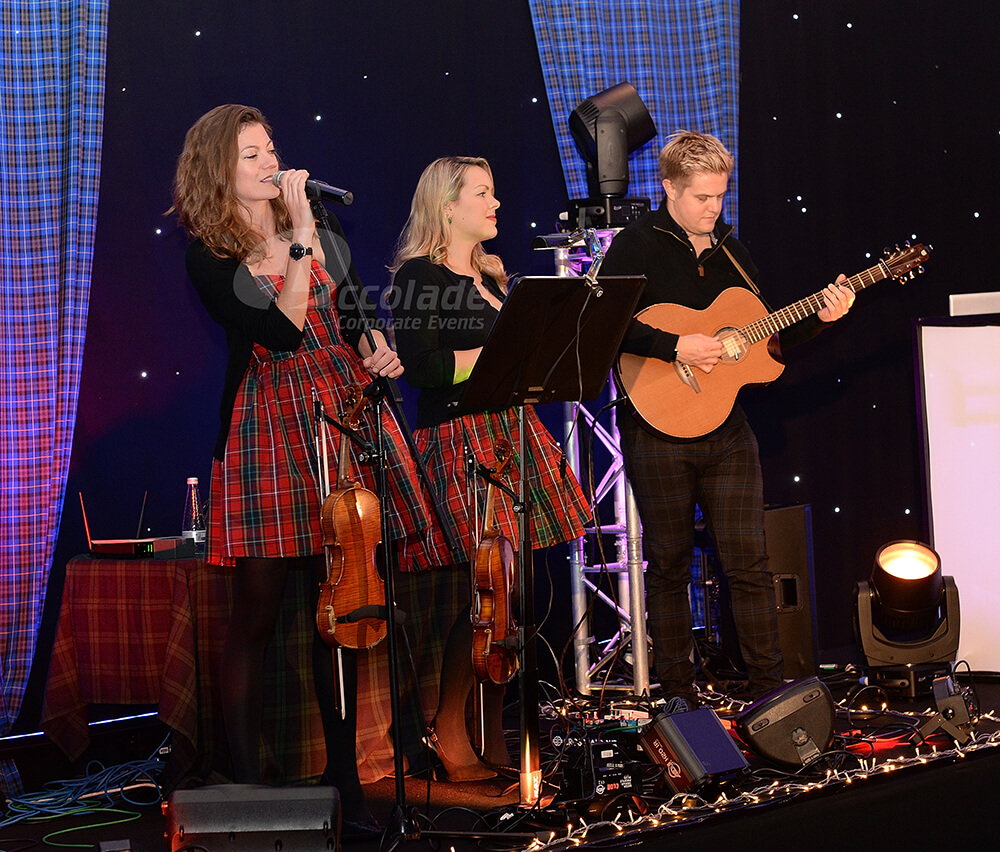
(688, 153)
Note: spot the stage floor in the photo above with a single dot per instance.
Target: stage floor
(879, 784)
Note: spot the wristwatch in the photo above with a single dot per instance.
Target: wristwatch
(297, 251)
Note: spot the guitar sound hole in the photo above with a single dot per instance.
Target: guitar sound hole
(734, 345)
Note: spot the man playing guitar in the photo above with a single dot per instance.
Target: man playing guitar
(689, 258)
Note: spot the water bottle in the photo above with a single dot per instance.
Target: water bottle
(193, 525)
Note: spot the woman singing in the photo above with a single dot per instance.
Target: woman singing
(448, 294)
(275, 284)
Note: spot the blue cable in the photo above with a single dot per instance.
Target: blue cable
(80, 795)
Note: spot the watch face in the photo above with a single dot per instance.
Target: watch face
(296, 251)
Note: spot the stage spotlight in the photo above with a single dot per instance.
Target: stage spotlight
(908, 619)
(606, 128)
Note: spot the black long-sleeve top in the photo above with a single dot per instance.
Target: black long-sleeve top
(657, 247)
(248, 315)
(435, 313)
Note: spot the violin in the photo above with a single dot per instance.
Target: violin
(351, 607)
(494, 638)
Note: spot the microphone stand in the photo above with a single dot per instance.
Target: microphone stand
(352, 287)
(384, 389)
(527, 359)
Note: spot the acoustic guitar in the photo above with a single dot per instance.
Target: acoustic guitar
(680, 401)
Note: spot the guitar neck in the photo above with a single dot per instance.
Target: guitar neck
(771, 324)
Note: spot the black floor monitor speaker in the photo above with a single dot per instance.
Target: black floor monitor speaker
(788, 531)
(694, 748)
(248, 818)
(791, 725)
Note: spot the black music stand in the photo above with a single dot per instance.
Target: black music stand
(555, 340)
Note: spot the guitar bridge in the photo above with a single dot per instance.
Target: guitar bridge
(686, 375)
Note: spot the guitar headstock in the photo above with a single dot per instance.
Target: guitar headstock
(905, 263)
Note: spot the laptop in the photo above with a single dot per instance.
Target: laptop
(162, 547)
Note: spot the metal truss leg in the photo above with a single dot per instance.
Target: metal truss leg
(628, 569)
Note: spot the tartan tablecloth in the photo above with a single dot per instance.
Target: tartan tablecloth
(136, 631)
(110, 641)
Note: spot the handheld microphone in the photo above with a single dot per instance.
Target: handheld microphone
(320, 190)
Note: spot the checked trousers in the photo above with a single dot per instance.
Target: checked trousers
(721, 474)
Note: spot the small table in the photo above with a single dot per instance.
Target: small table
(138, 631)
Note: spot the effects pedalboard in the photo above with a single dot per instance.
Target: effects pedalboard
(600, 753)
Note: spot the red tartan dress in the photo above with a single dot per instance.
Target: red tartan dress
(266, 492)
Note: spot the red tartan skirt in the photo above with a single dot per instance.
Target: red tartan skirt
(559, 509)
(266, 492)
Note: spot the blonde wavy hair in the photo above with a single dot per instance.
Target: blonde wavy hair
(427, 232)
(204, 198)
(688, 153)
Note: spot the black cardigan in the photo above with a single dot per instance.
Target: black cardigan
(435, 312)
(248, 315)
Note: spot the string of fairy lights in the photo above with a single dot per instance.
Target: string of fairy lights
(690, 807)
(687, 808)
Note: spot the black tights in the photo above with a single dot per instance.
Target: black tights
(257, 597)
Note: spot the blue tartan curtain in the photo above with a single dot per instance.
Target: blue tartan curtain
(682, 56)
(52, 94)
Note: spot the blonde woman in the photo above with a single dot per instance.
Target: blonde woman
(447, 292)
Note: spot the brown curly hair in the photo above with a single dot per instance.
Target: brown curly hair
(204, 200)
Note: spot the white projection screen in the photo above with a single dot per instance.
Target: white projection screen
(960, 382)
